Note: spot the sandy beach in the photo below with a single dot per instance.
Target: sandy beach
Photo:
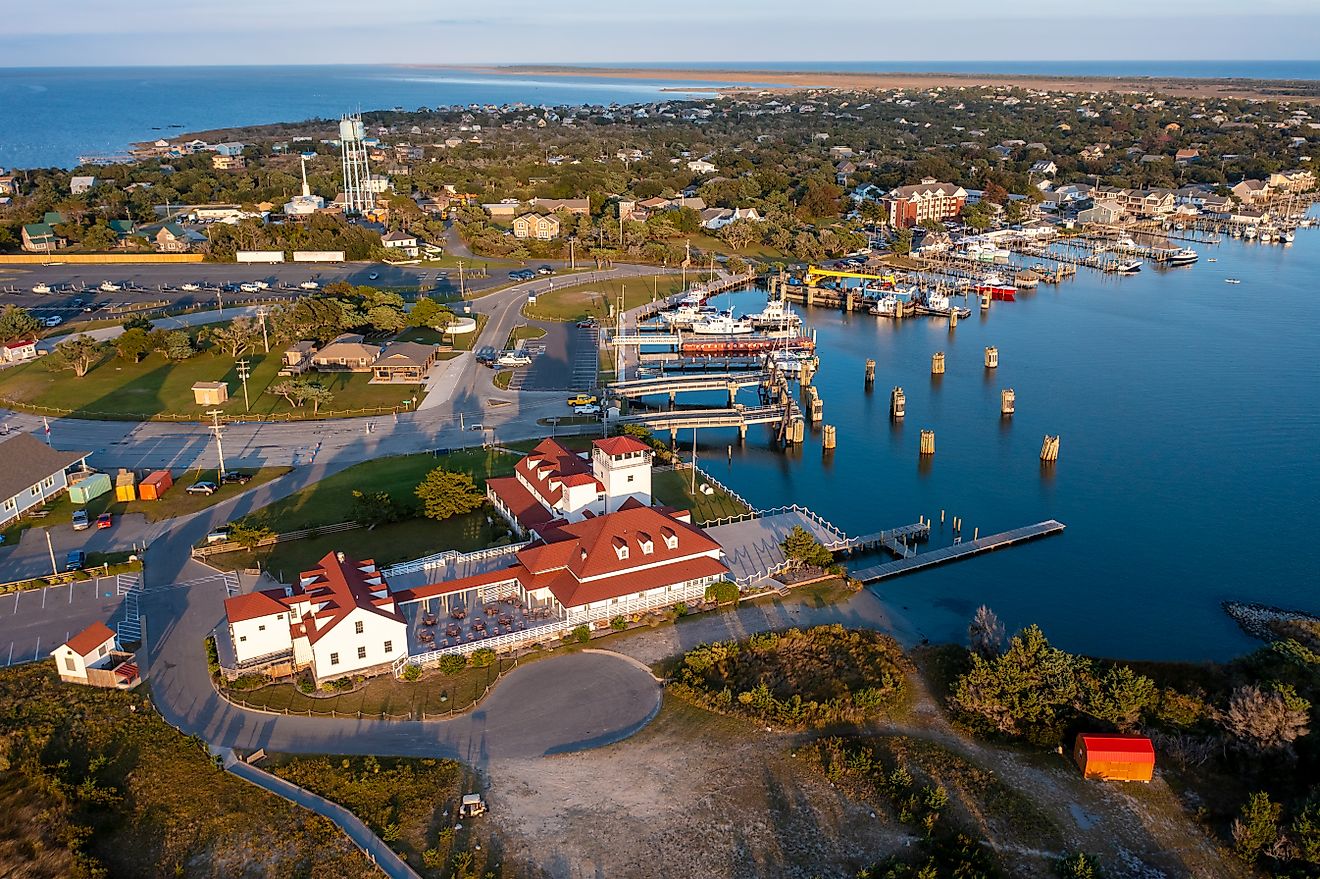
(1308, 92)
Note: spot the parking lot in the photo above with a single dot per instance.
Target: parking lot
(564, 359)
(35, 622)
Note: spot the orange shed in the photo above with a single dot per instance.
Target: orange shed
(1115, 758)
(155, 485)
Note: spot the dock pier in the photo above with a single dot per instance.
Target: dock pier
(957, 552)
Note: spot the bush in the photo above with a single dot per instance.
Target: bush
(452, 663)
(681, 608)
(212, 656)
(580, 635)
(483, 658)
(412, 672)
(305, 685)
(339, 685)
(1079, 866)
(618, 624)
(249, 682)
(723, 592)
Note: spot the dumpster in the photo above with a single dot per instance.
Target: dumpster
(155, 485)
(93, 486)
(126, 486)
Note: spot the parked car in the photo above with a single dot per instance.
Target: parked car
(80, 520)
(76, 560)
(589, 323)
(513, 358)
(373, 276)
(545, 270)
(233, 477)
(583, 399)
(202, 488)
(53, 321)
(592, 409)
(104, 521)
(478, 427)
(219, 535)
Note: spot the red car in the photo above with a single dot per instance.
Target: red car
(103, 521)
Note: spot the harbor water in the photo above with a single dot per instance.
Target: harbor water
(1189, 471)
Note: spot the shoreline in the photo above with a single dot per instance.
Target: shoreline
(742, 81)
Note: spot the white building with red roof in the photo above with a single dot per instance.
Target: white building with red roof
(635, 559)
(340, 619)
(553, 485)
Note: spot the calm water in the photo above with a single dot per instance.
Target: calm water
(1188, 474)
(1271, 69)
(66, 113)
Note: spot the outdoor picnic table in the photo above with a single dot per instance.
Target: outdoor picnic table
(506, 619)
(478, 626)
(458, 614)
(453, 630)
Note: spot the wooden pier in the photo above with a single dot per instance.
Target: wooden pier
(957, 552)
(896, 540)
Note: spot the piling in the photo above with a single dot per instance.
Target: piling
(985, 301)
(937, 363)
(1007, 401)
(897, 403)
(991, 357)
(941, 517)
(1049, 449)
(799, 431)
(870, 371)
(976, 532)
(807, 372)
(927, 442)
(828, 438)
(953, 318)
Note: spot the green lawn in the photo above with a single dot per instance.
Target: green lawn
(673, 487)
(578, 301)
(116, 388)
(176, 502)
(523, 332)
(502, 379)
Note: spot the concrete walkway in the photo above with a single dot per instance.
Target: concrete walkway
(371, 845)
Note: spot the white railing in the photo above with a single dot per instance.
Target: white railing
(451, 558)
(692, 590)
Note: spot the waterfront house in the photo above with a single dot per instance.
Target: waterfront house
(1298, 180)
(1250, 192)
(402, 242)
(542, 227)
(32, 474)
(403, 362)
(339, 619)
(909, 206)
(346, 352)
(1104, 213)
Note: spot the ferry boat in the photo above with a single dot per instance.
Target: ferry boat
(1184, 257)
(887, 306)
(722, 324)
(41, 288)
(107, 287)
(997, 289)
(1129, 268)
(776, 313)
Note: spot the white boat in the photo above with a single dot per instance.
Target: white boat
(776, 313)
(190, 287)
(1125, 243)
(685, 315)
(41, 288)
(886, 307)
(696, 294)
(723, 324)
(1249, 233)
(309, 285)
(1266, 235)
(937, 303)
(789, 362)
(107, 287)
(1288, 236)
(1184, 257)
(1130, 267)
(1232, 281)
(1212, 259)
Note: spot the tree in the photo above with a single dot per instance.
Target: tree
(133, 345)
(1257, 828)
(985, 634)
(286, 389)
(1121, 696)
(1266, 722)
(1078, 866)
(801, 547)
(235, 338)
(249, 534)
(445, 493)
(372, 508)
(741, 233)
(177, 345)
(902, 243)
(17, 323)
(429, 313)
(317, 395)
(79, 354)
(386, 318)
(99, 237)
(1027, 691)
(1013, 212)
(137, 322)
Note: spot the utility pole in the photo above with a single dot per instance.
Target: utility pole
(216, 427)
(265, 338)
(462, 290)
(693, 490)
(220, 300)
(54, 568)
(572, 260)
(243, 372)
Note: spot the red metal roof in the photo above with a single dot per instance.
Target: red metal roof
(589, 549)
(551, 463)
(255, 604)
(573, 593)
(337, 587)
(519, 501)
(1129, 749)
(86, 641)
(620, 445)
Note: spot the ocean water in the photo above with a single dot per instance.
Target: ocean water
(69, 112)
(1188, 472)
(1271, 69)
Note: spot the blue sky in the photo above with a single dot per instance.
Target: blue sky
(90, 32)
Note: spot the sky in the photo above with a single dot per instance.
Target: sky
(202, 32)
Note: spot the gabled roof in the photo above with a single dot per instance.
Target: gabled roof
(252, 605)
(338, 586)
(90, 638)
(620, 445)
(26, 460)
(591, 548)
(545, 467)
(1132, 749)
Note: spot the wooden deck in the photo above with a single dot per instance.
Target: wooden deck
(896, 540)
(957, 552)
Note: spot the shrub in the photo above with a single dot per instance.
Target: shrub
(722, 592)
(212, 656)
(339, 685)
(412, 672)
(249, 682)
(618, 624)
(680, 608)
(1079, 866)
(305, 685)
(582, 634)
(483, 658)
(452, 663)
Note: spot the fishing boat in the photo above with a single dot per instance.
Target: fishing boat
(1184, 257)
(1288, 236)
(1125, 243)
(788, 362)
(722, 324)
(1212, 259)
(309, 285)
(885, 307)
(776, 314)
(1131, 267)
(41, 288)
(190, 288)
(1266, 235)
(997, 289)
(1249, 233)
(696, 294)
(939, 305)
(686, 315)
(107, 287)
(1232, 281)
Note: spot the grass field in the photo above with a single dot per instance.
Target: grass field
(435, 693)
(673, 487)
(523, 332)
(578, 301)
(116, 388)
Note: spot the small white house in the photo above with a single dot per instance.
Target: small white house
(402, 242)
(90, 658)
(80, 184)
(701, 166)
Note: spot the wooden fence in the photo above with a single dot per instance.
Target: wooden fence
(211, 549)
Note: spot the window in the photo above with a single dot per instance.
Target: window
(334, 659)
(630, 479)
(261, 628)
(70, 664)
(362, 653)
(357, 627)
(11, 505)
(242, 638)
(389, 647)
(101, 652)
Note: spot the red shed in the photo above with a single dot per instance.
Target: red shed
(155, 485)
(1115, 758)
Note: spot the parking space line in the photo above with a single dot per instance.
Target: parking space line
(36, 653)
(10, 660)
(43, 597)
(17, 593)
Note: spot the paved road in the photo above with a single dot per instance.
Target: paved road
(30, 557)
(35, 622)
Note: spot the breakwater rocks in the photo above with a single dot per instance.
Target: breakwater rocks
(1256, 619)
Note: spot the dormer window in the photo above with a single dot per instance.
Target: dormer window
(671, 538)
(645, 543)
(620, 548)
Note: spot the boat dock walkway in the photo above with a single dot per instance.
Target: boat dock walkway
(896, 540)
(957, 552)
